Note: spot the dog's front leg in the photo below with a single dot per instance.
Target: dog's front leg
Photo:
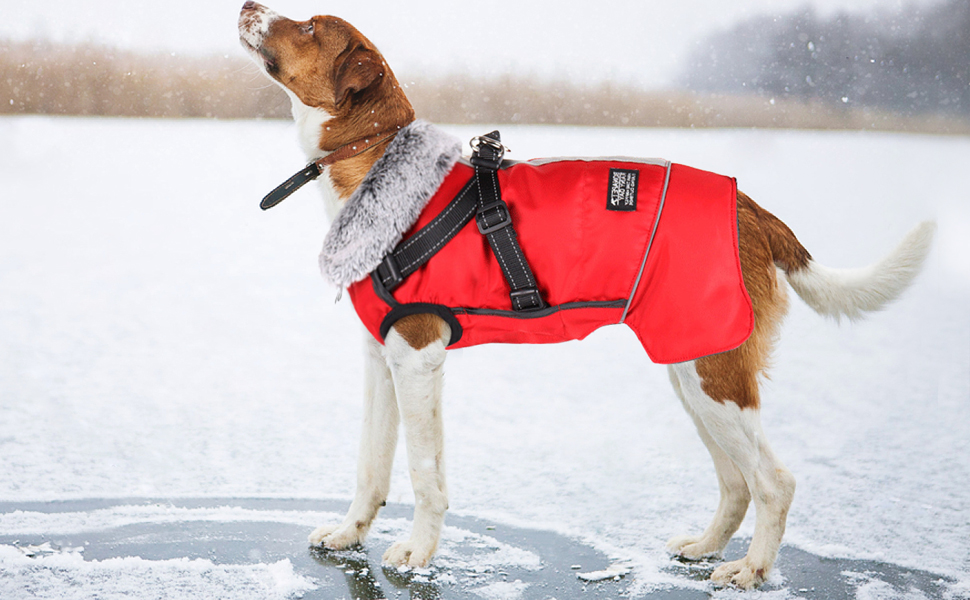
(418, 381)
(378, 441)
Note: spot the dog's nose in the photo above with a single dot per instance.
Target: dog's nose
(249, 5)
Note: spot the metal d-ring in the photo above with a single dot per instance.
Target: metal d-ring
(478, 140)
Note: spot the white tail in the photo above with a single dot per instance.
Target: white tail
(854, 292)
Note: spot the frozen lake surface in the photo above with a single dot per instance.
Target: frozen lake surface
(163, 338)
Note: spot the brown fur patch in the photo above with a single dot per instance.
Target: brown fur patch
(347, 175)
(420, 331)
(733, 376)
(336, 69)
(787, 252)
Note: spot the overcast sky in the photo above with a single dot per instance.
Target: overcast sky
(640, 42)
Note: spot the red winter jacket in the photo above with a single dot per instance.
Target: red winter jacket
(653, 245)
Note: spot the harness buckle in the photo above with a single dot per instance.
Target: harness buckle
(388, 273)
(498, 208)
(527, 299)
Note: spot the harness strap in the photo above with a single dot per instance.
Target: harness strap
(420, 247)
(480, 198)
(495, 222)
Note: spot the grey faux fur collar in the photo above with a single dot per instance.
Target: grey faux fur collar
(388, 202)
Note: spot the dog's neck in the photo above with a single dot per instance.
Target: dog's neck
(387, 201)
(320, 133)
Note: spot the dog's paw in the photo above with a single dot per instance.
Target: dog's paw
(317, 536)
(693, 547)
(408, 554)
(740, 574)
(336, 537)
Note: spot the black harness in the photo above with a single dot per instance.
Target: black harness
(481, 198)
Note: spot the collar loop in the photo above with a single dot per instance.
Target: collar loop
(315, 168)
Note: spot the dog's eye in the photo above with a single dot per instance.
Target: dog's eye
(308, 28)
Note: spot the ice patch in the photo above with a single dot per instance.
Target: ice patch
(67, 576)
(488, 554)
(65, 523)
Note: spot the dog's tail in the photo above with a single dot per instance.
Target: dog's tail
(848, 292)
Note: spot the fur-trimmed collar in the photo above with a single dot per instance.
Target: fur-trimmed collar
(388, 202)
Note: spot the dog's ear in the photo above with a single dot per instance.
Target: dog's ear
(356, 71)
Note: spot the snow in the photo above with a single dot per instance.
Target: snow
(68, 576)
(23, 522)
(501, 590)
(464, 558)
(612, 572)
(161, 337)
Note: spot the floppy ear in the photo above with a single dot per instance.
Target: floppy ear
(359, 69)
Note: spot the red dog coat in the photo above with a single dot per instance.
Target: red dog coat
(653, 245)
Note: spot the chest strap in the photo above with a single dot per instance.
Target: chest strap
(482, 198)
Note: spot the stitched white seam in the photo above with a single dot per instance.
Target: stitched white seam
(521, 259)
(515, 246)
(505, 266)
(515, 250)
(408, 243)
(436, 246)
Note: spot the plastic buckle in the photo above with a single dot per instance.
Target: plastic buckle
(388, 273)
(482, 222)
(528, 299)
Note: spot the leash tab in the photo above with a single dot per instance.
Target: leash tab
(288, 187)
(315, 168)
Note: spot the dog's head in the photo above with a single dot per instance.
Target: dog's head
(327, 65)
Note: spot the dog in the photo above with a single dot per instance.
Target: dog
(349, 108)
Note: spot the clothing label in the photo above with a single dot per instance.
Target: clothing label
(622, 194)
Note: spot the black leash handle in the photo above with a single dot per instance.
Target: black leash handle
(285, 189)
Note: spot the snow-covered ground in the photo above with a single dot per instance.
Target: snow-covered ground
(161, 337)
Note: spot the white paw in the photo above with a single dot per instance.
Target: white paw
(693, 547)
(740, 574)
(337, 537)
(409, 554)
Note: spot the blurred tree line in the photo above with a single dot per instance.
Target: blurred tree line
(912, 61)
(40, 77)
(847, 72)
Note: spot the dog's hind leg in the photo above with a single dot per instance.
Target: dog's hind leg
(417, 371)
(377, 444)
(735, 427)
(734, 496)
(721, 394)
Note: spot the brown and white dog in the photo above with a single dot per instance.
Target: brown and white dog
(342, 93)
